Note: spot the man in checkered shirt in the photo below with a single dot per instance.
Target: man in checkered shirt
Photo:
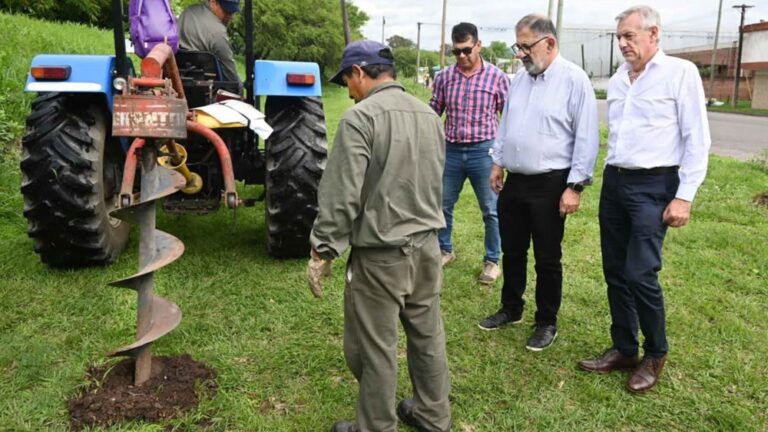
(472, 93)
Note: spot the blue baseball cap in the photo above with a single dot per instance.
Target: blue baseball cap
(230, 6)
(363, 53)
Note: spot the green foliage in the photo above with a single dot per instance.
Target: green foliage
(93, 12)
(301, 30)
(601, 94)
(760, 161)
(418, 90)
(405, 61)
(496, 50)
(743, 107)
(398, 41)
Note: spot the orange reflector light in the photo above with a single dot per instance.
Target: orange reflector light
(300, 79)
(51, 73)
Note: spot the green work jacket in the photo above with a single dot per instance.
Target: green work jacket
(383, 182)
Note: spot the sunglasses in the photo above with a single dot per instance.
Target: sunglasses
(524, 48)
(466, 50)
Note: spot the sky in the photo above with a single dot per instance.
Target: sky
(676, 15)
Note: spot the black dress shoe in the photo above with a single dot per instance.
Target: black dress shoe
(405, 413)
(344, 426)
(611, 360)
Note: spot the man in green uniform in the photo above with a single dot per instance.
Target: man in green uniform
(381, 193)
(203, 27)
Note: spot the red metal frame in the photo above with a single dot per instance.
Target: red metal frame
(226, 160)
(129, 172)
(161, 60)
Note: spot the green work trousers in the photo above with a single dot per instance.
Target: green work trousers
(384, 285)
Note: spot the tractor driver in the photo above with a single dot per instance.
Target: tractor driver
(203, 27)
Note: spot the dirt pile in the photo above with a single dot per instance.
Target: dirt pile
(111, 396)
(762, 199)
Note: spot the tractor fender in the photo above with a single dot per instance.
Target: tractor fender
(272, 78)
(89, 74)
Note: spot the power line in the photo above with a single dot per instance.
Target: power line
(501, 29)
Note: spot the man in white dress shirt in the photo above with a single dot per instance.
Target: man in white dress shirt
(658, 147)
(547, 143)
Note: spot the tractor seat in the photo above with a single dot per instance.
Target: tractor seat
(198, 65)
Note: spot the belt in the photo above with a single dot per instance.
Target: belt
(553, 173)
(644, 171)
(468, 143)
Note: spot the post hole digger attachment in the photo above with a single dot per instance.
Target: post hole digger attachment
(153, 110)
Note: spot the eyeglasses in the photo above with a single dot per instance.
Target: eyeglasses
(525, 49)
(466, 50)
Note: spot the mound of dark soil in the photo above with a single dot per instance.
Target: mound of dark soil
(111, 396)
(762, 199)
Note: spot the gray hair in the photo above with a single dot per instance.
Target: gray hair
(538, 24)
(648, 14)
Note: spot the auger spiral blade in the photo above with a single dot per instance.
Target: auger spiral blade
(156, 316)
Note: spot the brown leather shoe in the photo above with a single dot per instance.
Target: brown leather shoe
(610, 361)
(646, 375)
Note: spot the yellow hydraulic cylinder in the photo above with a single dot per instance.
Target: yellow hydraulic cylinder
(178, 163)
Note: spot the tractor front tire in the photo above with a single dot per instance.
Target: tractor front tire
(296, 154)
(70, 182)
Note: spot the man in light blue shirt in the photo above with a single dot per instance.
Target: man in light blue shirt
(547, 143)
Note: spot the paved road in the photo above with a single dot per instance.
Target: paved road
(738, 136)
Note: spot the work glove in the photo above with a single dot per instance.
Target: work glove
(317, 269)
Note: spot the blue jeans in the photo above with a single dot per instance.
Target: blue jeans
(474, 161)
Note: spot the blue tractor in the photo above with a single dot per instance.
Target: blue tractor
(78, 167)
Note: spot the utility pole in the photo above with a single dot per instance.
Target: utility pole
(735, 100)
(551, 11)
(418, 50)
(442, 37)
(383, 22)
(583, 63)
(345, 19)
(714, 55)
(610, 62)
(559, 20)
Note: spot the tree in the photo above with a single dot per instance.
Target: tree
(92, 12)
(397, 41)
(405, 61)
(288, 31)
(496, 50)
(501, 49)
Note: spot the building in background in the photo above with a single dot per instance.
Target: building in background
(754, 59)
(725, 69)
(597, 46)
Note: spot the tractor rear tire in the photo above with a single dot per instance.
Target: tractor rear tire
(70, 182)
(296, 154)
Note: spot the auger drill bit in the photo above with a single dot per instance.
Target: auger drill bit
(156, 316)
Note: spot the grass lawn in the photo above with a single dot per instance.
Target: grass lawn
(743, 107)
(278, 350)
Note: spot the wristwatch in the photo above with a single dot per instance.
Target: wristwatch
(577, 187)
